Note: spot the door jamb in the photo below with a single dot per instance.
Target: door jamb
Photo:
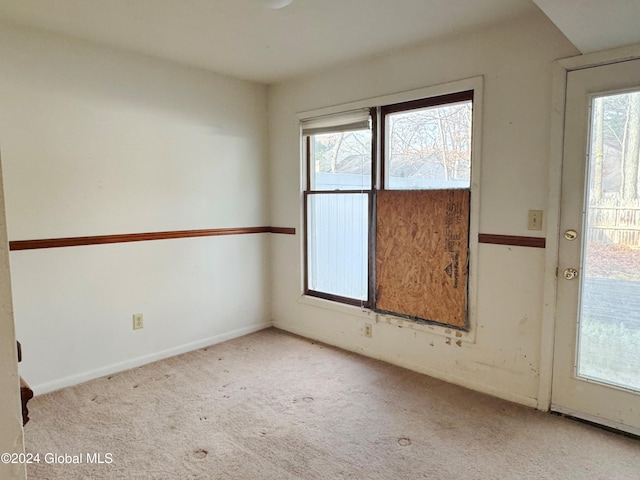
(560, 70)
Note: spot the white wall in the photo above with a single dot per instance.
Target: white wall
(95, 142)
(515, 60)
(11, 440)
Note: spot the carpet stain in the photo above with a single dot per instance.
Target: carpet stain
(200, 454)
(303, 399)
(404, 442)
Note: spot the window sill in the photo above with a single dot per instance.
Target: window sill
(366, 314)
(352, 310)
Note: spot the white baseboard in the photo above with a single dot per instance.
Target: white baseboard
(69, 381)
(435, 373)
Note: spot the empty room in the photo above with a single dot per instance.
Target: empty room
(292, 239)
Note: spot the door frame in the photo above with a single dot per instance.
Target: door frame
(12, 437)
(561, 68)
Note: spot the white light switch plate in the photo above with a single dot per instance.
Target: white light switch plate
(535, 220)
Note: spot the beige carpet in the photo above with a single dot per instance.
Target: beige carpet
(275, 406)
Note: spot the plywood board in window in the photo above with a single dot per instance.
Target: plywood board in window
(421, 254)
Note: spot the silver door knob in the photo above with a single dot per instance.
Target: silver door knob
(570, 273)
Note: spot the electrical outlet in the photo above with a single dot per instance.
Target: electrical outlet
(368, 332)
(138, 321)
(535, 220)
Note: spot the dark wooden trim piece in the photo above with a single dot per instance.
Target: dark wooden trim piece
(371, 230)
(428, 102)
(308, 155)
(373, 113)
(382, 181)
(516, 241)
(140, 237)
(337, 298)
(373, 222)
(337, 192)
(305, 239)
(283, 230)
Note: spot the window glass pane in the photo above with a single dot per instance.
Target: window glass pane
(337, 249)
(341, 161)
(609, 327)
(429, 148)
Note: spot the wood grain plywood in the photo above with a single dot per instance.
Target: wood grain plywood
(421, 254)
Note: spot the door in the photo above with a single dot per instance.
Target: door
(596, 373)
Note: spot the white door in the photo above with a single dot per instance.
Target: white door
(596, 373)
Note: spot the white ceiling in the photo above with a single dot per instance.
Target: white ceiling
(594, 25)
(250, 40)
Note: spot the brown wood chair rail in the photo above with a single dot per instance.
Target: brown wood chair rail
(26, 393)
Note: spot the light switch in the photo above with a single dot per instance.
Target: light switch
(535, 220)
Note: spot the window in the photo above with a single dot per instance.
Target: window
(428, 143)
(391, 235)
(338, 206)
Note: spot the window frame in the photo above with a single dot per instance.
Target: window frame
(423, 97)
(440, 100)
(370, 192)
